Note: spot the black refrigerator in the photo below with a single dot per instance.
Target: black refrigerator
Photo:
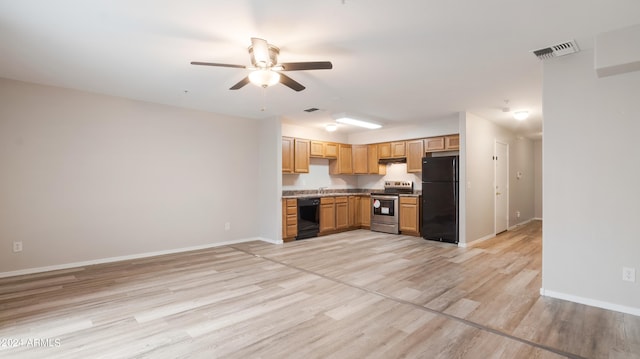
(440, 198)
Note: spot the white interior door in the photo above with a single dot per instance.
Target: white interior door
(501, 180)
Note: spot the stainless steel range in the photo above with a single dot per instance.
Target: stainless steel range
(384, 206)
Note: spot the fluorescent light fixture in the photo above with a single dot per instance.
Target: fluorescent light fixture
(360, 123)
(264, 78)
(331, 127)
(521, 115)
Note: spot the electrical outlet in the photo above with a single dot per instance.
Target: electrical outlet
(227, 226)
(517, 214)
(629, 274)
(17, 246)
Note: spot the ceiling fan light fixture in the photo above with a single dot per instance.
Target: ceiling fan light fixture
(360, 123)
(521, 115)
(331, 127)
(264, 78)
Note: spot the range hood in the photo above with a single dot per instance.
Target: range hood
(384, 161)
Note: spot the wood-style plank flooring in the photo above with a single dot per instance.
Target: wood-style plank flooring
(357, 294)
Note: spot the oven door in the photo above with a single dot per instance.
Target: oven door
(384, 209)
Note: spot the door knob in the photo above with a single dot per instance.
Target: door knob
(498, 193)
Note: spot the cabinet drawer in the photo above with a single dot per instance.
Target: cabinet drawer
(292, 211)
(409, 200)
(292, 202)
(327, 200)
(342, 199)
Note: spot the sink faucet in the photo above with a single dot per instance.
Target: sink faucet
(322, 190)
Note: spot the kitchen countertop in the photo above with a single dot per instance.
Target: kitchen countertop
(340, 194)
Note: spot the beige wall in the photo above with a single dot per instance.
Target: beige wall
(537, 145)
(477, 186)
(591, 191)
(86, 177)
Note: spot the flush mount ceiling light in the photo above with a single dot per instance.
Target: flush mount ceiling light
(264, 78)
(349, 120)
(331, 127)
(521, 115)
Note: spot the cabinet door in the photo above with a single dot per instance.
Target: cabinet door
(452, 142)
(365, 211)
(301, 156)
(409, 215)
(384, 150)
(415, 152)
(433, 144)
(354, 209)
(346, 162)
(373, 166)
(360, 159)
(398, 149)
(330, 150)
(327, 214)
(342, 213)
(316, 149)
(287, 155)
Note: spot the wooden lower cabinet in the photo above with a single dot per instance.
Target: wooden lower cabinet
(365, 212)
(342, 212)
(289, 219)
(327, 215)
(410, 216)
(354, 209)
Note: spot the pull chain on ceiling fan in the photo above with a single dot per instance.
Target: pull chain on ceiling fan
(266, 71)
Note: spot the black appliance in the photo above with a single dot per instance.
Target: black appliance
(308, 217)
(440, 193)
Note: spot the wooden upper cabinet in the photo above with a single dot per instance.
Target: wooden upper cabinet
(343, 165)
(398, 149)
(373, 166)
(316, 149)
(360, 159)
(415, 152)
(323, 149)
(287, 155)
(452, 142)
(392, 149)
(432, 144)
(301, 156)
(330, 150)
(384, 150)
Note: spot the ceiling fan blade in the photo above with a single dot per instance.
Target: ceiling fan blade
(215, 64)
(291, 83)
(260, 49)
(297, 66)
(240, 84)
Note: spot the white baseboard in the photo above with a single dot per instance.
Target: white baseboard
(520, 224)
(476, 241)
(591, 302)
(537, 218)
(129, 257)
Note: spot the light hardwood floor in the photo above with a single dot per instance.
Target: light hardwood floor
(351, 295)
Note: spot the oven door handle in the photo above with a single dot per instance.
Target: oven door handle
(384, 197)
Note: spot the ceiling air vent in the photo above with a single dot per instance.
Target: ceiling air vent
(557, 50)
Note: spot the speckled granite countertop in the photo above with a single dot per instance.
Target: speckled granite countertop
(335, 193)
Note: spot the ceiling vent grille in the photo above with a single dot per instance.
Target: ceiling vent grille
(557, 50)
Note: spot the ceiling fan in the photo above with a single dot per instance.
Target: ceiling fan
(265, 69)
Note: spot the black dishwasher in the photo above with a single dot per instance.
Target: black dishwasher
(308, 217)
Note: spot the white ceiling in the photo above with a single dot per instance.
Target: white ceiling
(399, 61)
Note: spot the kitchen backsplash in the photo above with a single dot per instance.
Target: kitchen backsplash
(318, 176)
